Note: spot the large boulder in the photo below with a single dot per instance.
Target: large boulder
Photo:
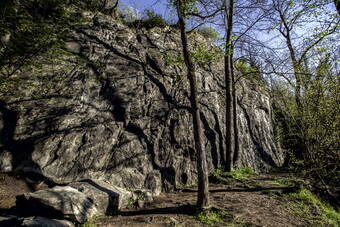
(60, 201)
(10, 221)
(45, 222)
(106, 198)
(14, 221)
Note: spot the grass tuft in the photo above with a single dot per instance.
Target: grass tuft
(240, 175)
(214, 217)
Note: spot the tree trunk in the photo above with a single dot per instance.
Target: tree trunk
(229, 112)
(236, 139)
(202, 168)
(296, 64)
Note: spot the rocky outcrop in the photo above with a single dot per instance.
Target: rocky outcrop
(113, 105)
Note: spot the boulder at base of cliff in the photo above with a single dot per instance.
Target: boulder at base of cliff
(41, 221)
(106, 198)
(60, 201)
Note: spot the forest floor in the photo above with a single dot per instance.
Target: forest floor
(254, 203)
(254, 200)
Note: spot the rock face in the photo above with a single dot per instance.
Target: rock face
(113, 105)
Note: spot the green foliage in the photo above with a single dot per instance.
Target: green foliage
(204, 55)
(173, 59)
(321, 123)
(89, 223)
(209, 33)
(305, 204)
(250, 71)
(212, 218)
(311, 137)
(103, 6)
(150, 20)
(187, 6)
(154, 20)
(216, 217)
(129, 14)
(32, 27)
(240, 175)
(3, 85)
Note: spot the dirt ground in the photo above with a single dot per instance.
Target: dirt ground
(10, 187)
(249, 206)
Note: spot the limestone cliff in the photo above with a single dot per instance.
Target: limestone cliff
(111, 107)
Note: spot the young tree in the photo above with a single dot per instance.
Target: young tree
(226, 10)
(183, 6)
(287, 17)
(229, 84)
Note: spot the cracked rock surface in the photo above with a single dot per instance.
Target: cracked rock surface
(111, 107)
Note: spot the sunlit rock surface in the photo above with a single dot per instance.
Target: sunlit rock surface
(112, 107)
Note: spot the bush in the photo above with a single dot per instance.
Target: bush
(312, 136)
(209, 33)
(103, 6)
(150, 20)
(205, 55)
(250, 71)
(129, 14)
(31, 27)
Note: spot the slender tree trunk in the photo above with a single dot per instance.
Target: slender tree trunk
(236, 139)
(202, 168)
(295, 62)
(297, 75)
(228, 64)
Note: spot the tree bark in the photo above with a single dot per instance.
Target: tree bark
(236, 139)
(202, 168)
(296, 64)
(228, 66)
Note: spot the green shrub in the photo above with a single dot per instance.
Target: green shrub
(103, 6)
(173, 59)
(129, 15)
(250, 71)
(204, 55)
(150, 20)
(32, 27)
(3, 85)
(310, 133)
(209, 33)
